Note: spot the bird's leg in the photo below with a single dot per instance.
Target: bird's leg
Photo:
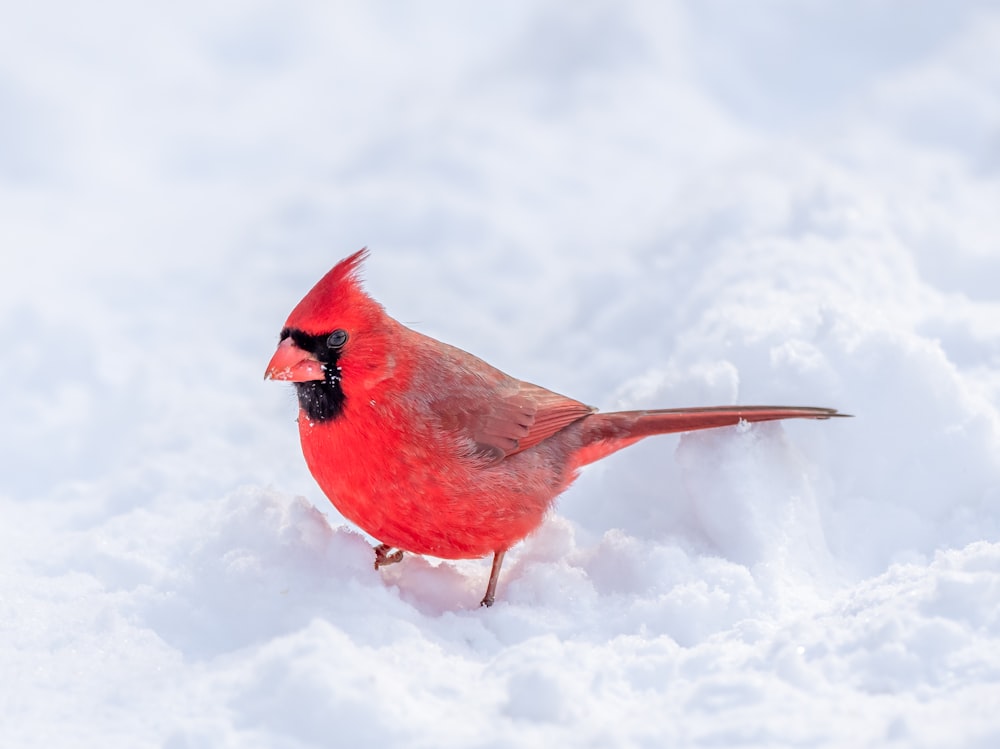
(491, 586)
(384, 555)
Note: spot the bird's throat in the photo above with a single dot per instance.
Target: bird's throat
(320, 400)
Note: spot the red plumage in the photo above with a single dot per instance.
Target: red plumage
(430, 449)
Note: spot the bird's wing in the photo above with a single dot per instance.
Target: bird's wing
(509, 421)
(552, 412)
(492, 414)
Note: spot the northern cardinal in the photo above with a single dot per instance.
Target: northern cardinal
(430, 449)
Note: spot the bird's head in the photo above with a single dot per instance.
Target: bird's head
(323, 330)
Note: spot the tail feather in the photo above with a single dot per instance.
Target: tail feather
(610, 432)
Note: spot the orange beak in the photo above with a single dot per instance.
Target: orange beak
(292, 364)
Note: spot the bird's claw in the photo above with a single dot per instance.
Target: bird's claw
(384, 554)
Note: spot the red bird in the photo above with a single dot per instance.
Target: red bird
(430, 449)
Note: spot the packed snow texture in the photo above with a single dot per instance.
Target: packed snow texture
(639, 204)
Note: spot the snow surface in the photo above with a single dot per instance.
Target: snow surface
(636, 204)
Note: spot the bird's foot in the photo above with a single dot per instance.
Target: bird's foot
(385, 554)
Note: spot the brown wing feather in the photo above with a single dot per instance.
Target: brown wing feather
(500, 424)
(552, 413)
(495, 414)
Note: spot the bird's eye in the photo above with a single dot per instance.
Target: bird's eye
(337, 339)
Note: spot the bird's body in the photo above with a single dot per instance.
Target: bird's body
(430, 449)
(417, 482)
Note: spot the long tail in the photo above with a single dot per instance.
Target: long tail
(609, 432)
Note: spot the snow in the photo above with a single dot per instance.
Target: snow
(636, 204)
